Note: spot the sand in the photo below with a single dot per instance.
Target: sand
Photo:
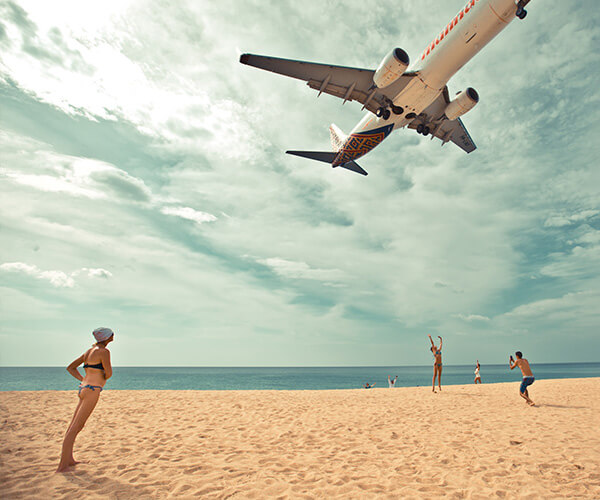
(466, 442)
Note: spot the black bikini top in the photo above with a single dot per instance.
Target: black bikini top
(98, 366)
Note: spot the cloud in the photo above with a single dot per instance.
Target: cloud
(53, 184)
(93, 67)
(471, 317)
(34, 164)
(574, 309)
(566, 220)
(301, 270)
(189, 214)
(58, 279)
(93, 273)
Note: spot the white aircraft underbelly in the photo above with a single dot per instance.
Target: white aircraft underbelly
(414, 98)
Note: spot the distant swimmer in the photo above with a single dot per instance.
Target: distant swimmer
(369, 386)
(477, 375)
(437, 364)
(528, 377)
(98, 369)
(392, 381)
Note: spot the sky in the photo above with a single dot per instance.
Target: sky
(144, 186)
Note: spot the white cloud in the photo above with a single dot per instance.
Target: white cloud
(573, 309)
(98, 273)
(58, 279)
(35, 165)
(471, 317)
(52, 184)
(189, 214)
(301, 270)
(96, 69)
(93, 273)
(566, 220)
(580, 262)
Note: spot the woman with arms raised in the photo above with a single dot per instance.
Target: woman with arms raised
(96, 363)
(437, 364)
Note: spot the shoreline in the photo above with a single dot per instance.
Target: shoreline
(467, 441)
(376, 388)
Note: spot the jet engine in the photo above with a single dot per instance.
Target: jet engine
(465, 101)
(391, 68)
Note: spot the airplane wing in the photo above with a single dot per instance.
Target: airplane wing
(350, 84)
(442, 128)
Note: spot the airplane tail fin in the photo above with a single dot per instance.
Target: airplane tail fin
(337, 141)
(337, 137)
(328, 157)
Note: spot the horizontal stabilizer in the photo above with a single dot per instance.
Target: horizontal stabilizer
(328, 157)
(355, 167)
(324, 156)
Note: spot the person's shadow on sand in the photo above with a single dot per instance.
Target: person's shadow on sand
(542, 405)
(104, 485)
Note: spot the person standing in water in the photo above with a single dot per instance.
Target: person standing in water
(96, 363)
(477, 375)
(528, 377)
(437, 364)
(392, 381)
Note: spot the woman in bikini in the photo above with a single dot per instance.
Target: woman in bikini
(477, 374)
(437, 365)
(96, 363)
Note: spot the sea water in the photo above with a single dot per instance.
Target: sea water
(305, 378)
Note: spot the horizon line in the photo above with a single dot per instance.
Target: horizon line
(297, 366)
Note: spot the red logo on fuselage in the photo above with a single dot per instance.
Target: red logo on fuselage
(449, 27)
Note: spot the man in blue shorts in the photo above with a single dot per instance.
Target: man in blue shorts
(528, 377)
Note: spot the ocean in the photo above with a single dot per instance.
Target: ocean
(285, 378)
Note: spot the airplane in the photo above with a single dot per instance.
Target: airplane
(396, 95)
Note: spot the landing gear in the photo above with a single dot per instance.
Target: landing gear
(397, 110)
(423, 129)
(521, 12)
(383, 113)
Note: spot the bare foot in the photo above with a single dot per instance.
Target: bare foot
(530, 403)
(62, 468)
(74, 462)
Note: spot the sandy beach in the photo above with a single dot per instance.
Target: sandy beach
(466, 442)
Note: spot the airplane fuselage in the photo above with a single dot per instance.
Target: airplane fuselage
(477, 23)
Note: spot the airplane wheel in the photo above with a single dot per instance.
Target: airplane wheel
(397, 110)
(426, 130)
(420, 128)
(386, 114)
(379, 112)
(521, 13)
